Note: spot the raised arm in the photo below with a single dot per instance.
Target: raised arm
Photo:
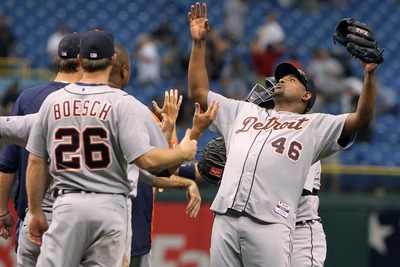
(197, 72)
(363, 115)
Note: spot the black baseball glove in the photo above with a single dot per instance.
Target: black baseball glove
(212, 160)
(359, 40)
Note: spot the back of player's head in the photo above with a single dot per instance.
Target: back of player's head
(96, 50)
(284, 69)
(121, 71)
(69, 46)
(97, 45)
(68, 50)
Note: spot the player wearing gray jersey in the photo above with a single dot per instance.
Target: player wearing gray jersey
(309, 242)
(269, 153)
(86, 129)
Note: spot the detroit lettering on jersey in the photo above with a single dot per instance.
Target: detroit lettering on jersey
(271, 123)
(81, 108)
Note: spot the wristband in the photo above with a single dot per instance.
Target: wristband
(187, 171)
(164, 173)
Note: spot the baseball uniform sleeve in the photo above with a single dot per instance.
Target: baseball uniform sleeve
(132, 133)
(313, 177)
(227, 112)
(37, 137)
(328, 129)
(16, 129)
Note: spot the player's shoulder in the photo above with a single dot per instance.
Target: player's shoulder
(35, 90)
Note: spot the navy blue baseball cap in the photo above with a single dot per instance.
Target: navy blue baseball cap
(284, 69)
(68, 47)
(97, 45)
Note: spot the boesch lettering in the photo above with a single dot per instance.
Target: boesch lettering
(272, 123)
(81, 108)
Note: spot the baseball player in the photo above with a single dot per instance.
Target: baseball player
(269, 153)
(86, 129)
(309, 243)
(14, 158)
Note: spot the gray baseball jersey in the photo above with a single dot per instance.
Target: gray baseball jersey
(269, 154)
(90, 133)
(308, 205)
(309, 242)
(16, 129)
(99, 126)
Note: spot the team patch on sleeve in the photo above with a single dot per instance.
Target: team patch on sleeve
(282, 209)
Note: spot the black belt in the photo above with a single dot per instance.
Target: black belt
(307, 221)
(309, 193)
(59, 192)
(236, 213)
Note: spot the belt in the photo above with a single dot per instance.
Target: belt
(309, 193)
(60, 192)
(307, 221)
(236, 213)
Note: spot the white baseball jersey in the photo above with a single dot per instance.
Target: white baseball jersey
(269, 154)
(83, 129)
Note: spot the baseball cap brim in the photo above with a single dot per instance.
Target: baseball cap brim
(284, 69)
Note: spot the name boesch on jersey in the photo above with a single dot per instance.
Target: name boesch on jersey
(271, 123)
(80, 108)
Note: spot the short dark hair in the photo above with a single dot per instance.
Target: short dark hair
(89, 65)
(70, 65)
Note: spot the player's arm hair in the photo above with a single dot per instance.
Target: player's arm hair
(6, 183)
(36, 182)
(364, 113)
(173, 182)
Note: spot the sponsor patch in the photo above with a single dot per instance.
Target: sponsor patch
(282, 209)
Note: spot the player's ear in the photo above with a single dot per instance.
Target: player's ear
(307, 96)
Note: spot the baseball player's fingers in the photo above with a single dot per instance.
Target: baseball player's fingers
(193, 206)
(180, 99)
(198, 10)
(172, 96)
(205, 11)
(166, 97)
(156, 107)
(197, 108)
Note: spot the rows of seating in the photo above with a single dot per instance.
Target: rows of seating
(33, 25)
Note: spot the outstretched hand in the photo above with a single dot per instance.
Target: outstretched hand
(202, 121)
(199, 26)
(172, 104)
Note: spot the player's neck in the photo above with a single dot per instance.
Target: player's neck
(98, 77)
(68, 77)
